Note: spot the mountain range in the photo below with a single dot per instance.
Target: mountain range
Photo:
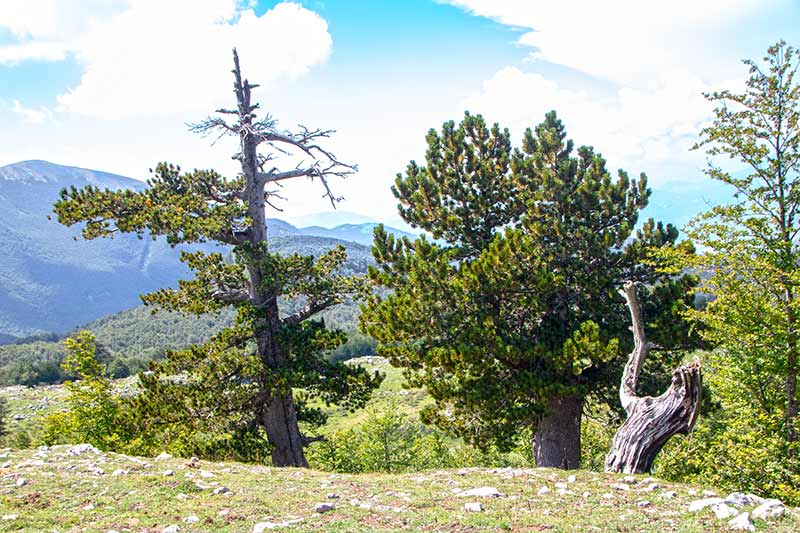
(51, 280)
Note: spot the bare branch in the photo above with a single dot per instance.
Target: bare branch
(309, 310)
(630, 376)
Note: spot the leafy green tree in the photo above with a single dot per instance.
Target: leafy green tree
(241, 382)
(510, 317)
(94, 410)
(750, 251)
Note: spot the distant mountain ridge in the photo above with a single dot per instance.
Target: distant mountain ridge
(51, 280)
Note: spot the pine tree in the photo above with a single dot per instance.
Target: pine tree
(510, 317)
(241, 383)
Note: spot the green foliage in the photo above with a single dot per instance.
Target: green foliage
(389, 441)
(515, 302)
(4, 413)
(94, 411)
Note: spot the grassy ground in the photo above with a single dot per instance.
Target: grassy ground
(105, 491)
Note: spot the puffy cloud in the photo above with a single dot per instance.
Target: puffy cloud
(637, 129)
(624, 39)
(158, 58)
(31, 115)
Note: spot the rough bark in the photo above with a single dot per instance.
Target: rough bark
(557, 441)
(651, 421)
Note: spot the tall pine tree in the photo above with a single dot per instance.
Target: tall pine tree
(241, 383)
(510, 317)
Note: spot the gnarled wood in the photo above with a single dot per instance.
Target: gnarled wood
(651, 421)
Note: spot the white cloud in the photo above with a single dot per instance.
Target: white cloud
(158, 58)
(31, 115)
(634, 129)
(622, 40)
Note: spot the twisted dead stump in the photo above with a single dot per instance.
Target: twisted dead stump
(651, 421)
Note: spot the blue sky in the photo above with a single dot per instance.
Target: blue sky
(110, 84)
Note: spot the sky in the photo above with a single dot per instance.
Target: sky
(111, 84)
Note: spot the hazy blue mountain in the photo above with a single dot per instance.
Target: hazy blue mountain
(677, 203)
(360, 233)
(49, 281)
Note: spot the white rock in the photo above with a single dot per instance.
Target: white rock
(223, 512)
(762, 511)
(650, 488)
(739, 500)
(119, 472)
(571, 479)
(586, 494)
(699, 505)
(191, 519)
(629, 480)
(222, 490)
(21, 482)
(206, 473)
(607, 496)
(88, 507)
(168, 473)
(709, 494)
(473, 507)
(10, 516)
(481, 492)
(621, 486)
(741, 522)
(542, 491)
(171, 529)
(643, 503)
(668, 494)
(756, 500)
(561, 485)
(80, 449)
(332, 496)
(182, 496)
(324, 507)
(163, 456)
(691, 492)
(263, 526)
(723, 510)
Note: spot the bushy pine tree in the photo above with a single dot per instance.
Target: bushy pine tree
(510, 316)
(240, 387)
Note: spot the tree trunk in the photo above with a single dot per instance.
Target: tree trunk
(280, 423)
(651, 421)
(557, 441)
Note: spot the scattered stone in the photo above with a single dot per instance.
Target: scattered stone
(207, 474)
(630, 480)
(88, 507)
(222, 490)
(691, 492)
(709, 494)
(621, 486)
(194, 462)
(650, 488)
(171, 529)
(756, 500)
(543, 491)
(699, 505)
(607, 496)
(163, 456)
(763, 510)
(168, 473)
(473, 507)
(571, 479)
(481, 492)
(643, 503)
(182, 496)
(332, 496)
(80, 449)
(119, 472)
(723, 510)
(21, 482)
(586, 494)
(324, 507)
(9, 517)
(263, 526)
(191, 519)
(560, 485)
(668, 494)
(742, 523)
(740, 500)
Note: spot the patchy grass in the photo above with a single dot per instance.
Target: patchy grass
(95, 491)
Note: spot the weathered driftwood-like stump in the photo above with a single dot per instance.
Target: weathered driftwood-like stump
(651, 421)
